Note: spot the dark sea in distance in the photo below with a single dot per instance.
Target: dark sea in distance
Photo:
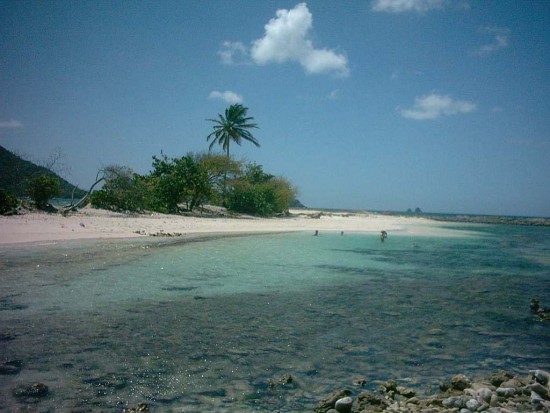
(207, 326)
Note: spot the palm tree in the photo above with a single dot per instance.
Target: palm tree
(234, 126)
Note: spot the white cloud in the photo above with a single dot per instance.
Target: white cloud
(405, 74)
(400, 6)
(233, 53)
(12, 124)
(335, 94)
(500, 39)
(287, 39)
(433, 106)
(227, 96)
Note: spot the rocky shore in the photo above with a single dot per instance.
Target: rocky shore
(500, 393)
(490, 219)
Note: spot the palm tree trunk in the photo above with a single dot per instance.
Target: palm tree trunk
(224, 195)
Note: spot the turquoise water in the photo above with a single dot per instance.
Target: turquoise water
(209, 325)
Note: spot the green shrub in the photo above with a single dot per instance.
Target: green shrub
(42, 188)
(8, 202)
(258, 193)
(180, 180)
(247, 198)
(123, 191)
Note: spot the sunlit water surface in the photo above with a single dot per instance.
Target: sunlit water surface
(208, 325)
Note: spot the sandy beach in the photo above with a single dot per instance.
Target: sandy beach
(90, 223)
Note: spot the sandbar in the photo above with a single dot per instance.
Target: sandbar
(91, 223)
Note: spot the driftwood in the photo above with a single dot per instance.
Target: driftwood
(71, 207)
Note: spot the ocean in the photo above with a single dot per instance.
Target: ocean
(267, 322)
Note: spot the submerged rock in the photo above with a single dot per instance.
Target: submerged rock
(286, 380)
(32, 393)
(359, 382)
(7, 370)
(110, 380)
(140, 408)
(11, 367)
(7, 336)
(542, 312)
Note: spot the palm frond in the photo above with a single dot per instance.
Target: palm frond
(234, 126)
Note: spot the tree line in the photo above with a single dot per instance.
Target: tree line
(188, 182)
(192, 180)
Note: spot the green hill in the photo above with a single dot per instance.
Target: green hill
(16, 172)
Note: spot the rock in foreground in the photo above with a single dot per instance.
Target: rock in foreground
(500, 393)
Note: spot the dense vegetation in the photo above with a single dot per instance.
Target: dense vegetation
(186, 183)
(189, 182)
(258, 193)
(172, 186)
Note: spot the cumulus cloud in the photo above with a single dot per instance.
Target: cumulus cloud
(287, 39)
(233, 53)
(500, 37)
(11, 124)
(400, 6)
(433, 106)
(227, 96)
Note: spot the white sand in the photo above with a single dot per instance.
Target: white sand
(91, 223)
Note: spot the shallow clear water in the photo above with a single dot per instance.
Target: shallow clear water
(207, 326)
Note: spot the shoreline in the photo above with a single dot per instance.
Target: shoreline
(36, 228)
(314, 385)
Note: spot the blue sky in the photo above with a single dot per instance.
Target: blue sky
(383, 105)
